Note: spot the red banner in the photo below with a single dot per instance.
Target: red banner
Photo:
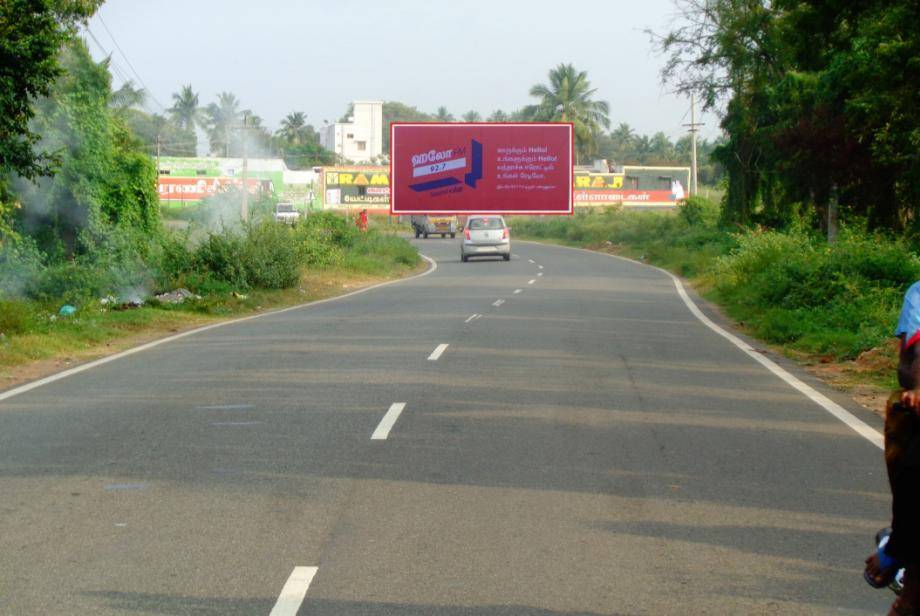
(455, 168)
(196, 189)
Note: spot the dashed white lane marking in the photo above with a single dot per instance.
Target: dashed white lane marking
(539, 274)
(100, 362)
(235, 423)
(530, 260)
(540, 266)
(498, 302)
(389, 420)
(472, 317)
(531, 281)
(294, 591)
(438, 351)
(516, 291)
(853, 422)
(224, 407)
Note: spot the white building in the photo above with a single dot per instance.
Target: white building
(361, 138)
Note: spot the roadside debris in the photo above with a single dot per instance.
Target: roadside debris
(239, 295)
(67, 310)
(176, 297)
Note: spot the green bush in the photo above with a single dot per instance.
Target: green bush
(270, 255)
(219, 256)
(14, 317)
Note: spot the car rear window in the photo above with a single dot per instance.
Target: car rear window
(486, 223)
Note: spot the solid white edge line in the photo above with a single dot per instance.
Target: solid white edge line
(853, 422)
(438, 351)
(294, 591)
(389, 420)
(15, 391)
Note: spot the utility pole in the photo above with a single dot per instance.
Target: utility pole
(832, 216)
(244, 205)
(693, 131)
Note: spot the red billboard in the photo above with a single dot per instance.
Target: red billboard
(196, 189)
(469, 168)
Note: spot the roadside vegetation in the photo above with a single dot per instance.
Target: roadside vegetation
(819, 302)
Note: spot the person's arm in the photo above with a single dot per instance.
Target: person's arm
(909, 374)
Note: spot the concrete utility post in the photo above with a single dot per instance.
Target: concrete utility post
(244, 204)
(832, 216)
(693, 131)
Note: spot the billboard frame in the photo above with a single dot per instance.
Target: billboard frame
(571, 194)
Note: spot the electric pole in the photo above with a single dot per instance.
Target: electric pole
(244, 205)
(158, 161)
(693, 131)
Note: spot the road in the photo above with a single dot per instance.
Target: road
(585, 446)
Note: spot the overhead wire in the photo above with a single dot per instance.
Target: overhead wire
(131, 66)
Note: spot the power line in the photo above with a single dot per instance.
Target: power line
(117, 69)
(131, 66)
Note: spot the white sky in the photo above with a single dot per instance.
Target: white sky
(279, 56)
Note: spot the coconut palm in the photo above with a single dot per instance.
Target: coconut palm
(127, 97)
(568, 98)
(292, 127)
(224, 116)
(185, 111)
(443, 115)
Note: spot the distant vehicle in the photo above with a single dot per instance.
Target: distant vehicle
(434, 225)
(486, 236)
(286, 213)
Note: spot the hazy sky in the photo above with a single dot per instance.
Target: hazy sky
(280, 56)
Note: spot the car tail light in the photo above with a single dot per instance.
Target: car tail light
(466, 233)
(505, 233)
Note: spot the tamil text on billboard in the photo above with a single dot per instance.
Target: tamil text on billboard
(364, 187)
(635, 186)
(446, 168)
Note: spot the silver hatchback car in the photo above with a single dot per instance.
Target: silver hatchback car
(485, 236)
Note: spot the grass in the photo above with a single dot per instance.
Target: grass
(326, 260)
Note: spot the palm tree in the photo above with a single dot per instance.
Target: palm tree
(568, 98)
(498, 116)
(443, 115)
(292, 127)
(223, 117)
(185, 111)
(127, 96)
(472, 116)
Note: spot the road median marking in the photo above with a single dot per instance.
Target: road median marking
(6, 395)
(294, 591)
(853, 422)
(498, 302)
(389, 420)
(531, 281)
(472, 317)
(539, 274)
(516, 291)
(530, 260)
(438, 351)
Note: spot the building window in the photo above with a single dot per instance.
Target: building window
(201, 171)
(361, 145)
(350, 135)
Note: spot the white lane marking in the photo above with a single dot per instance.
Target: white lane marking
(235, 423)
(531, 281)
(294, 591)
(223, 407)
(498, 302)
(386, 424)
(540, 266)
(104, 360)
(438, 351)
(530, 260)
(472, 317)
(516, 291)
(853, 422)
(539, 274)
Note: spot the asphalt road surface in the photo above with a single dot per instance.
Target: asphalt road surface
(582, 445)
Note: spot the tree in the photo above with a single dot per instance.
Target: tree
(32, 33)
(186, 112)
(472, 116)
(128, 96)
(498, 116)
(292, 128)
(568, 98)
(443, 115)
(224, 117)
